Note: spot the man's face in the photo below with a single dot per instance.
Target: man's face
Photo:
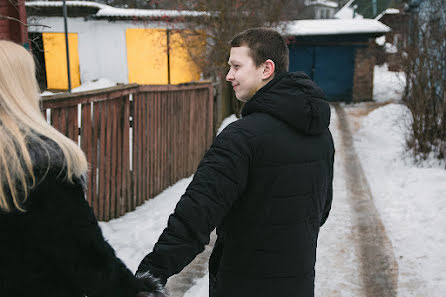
(245, 77)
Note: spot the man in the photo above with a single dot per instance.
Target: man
(265, 183)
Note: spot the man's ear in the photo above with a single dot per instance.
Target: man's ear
(268, 70)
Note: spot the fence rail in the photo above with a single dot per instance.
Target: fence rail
(138, 139)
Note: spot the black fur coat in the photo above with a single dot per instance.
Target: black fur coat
(56, 248)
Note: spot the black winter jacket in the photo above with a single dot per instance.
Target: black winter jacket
(56, 248)
(266, 184)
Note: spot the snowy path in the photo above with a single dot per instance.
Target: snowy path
(377, 265)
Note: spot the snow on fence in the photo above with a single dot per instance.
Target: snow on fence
(138, 139)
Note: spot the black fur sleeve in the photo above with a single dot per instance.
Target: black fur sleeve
(73, 242)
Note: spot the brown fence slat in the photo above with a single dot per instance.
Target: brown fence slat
(172, 128)
(127, 190)
(119, 152)
(114, 158)
(86, 144)
(102, 160)
(95, 159)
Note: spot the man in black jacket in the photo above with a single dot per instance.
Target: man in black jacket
(265, 183)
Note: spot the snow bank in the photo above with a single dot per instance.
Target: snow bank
(411, 201)
(387, 85)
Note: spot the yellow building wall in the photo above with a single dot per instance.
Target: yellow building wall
(182, 67)
(147, 58)
(56, 60)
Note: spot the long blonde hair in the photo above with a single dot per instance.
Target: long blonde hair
(21, 121)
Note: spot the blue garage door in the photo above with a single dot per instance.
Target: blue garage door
(331, 67)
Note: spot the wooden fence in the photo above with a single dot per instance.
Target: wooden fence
(138, 139)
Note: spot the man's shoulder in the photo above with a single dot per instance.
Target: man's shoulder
(253, 125)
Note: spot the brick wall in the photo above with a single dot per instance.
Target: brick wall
(11, 29)
(4, 24)
(363, 77)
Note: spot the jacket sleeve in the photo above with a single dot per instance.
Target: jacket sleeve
(72, 241)
(219, 181)
(329, 198)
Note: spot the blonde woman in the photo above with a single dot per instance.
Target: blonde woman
(50, 241)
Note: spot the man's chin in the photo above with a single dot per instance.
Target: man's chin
(243, 98)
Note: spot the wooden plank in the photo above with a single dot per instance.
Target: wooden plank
(151, 147)
(170, 154)
(86, 144)
(119, 156)
(136, 151)
(56, 115)
(157, 144)
(144, 150)
(108, 159)
(95, 157)
(102, 161)
(114, 157)
(127, 179)
(164, 123)
(172, 88)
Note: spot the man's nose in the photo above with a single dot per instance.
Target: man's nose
(229, 76)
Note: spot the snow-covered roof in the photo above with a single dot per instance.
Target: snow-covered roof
(387, 11)
(109, 11)
(334, 27)
(68, 3)
(326, 3)
(346, 12)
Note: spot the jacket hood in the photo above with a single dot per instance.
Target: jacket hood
(295, 99)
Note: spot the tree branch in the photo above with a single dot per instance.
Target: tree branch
(3, 17)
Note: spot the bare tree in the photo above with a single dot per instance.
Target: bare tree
(425, 68)
(207, 37)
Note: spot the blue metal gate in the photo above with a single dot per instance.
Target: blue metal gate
(330, 67)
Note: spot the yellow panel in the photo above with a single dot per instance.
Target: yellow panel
(182, 67)
(56, 60)
(147, 56)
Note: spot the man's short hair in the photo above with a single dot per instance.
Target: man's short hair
(264, 44)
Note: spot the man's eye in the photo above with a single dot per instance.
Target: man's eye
(236, 66)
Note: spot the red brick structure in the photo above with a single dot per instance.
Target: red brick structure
(13, 20)
(363, 74)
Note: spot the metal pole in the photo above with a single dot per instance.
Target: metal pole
(168, 55)
(66, 44)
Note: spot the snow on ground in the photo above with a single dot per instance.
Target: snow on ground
(411, 201)
(387, 85)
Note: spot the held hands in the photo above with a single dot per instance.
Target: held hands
(152, 285)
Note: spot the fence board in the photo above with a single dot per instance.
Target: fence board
(171, 130)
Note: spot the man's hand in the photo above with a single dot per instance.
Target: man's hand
(152, 284)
